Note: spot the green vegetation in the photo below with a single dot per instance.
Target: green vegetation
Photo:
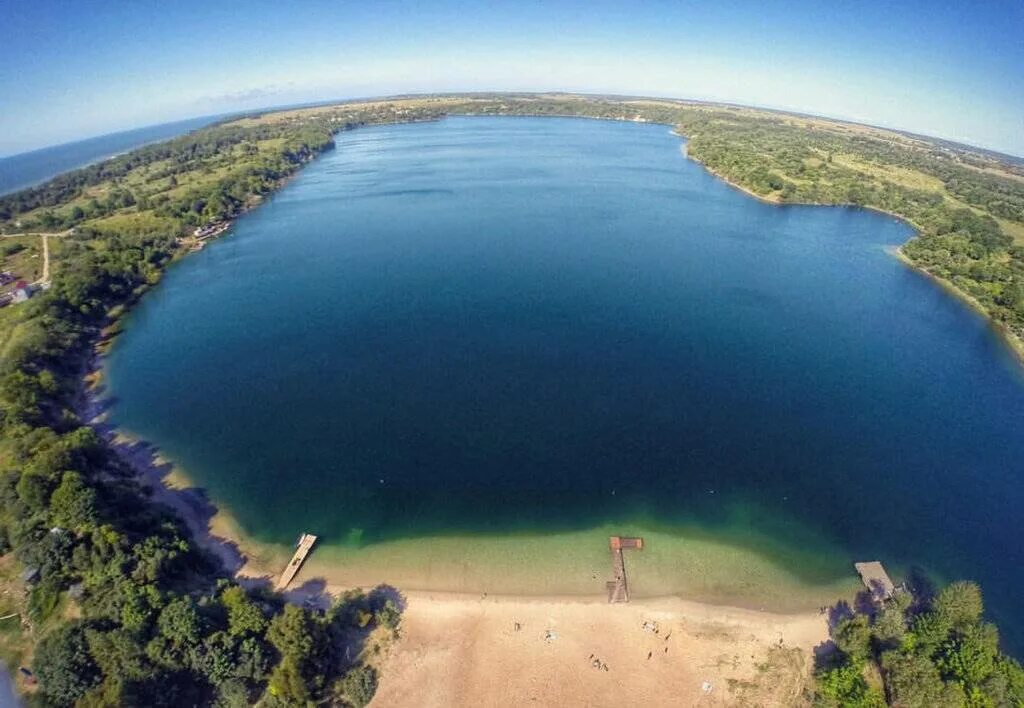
(929, 653)
(127, 610)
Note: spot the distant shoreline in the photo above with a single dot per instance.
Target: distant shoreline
(1013, 343)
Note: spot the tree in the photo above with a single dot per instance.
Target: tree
(287, 683)
(303, 644)
(959, 605)
(291, 633)
(388, 615)
(913, 681)
(234, 693)
(34, 489)
(970, 659)
(215, 657)
(890, 625)
(853, 637)
(73, 504)
(244, 616)
(845, 686)
(118, 654)
(139, 606)
(179, 622)
(359, 685)
(63, 665)
(43, 599)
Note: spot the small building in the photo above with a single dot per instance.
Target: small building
(22, 292)
(214, 228)
(30, 575)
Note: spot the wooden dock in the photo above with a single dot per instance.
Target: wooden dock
(876, 580)
(618, 591)
(302, 550)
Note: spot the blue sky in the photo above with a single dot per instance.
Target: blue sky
(70, 70)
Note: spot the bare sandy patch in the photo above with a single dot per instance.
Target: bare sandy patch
(460, 650)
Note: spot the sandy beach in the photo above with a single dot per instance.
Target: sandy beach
(458, 650)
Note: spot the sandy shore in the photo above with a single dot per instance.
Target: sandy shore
(458, 650)
(462, 649)
(738, 566)
(485, 650)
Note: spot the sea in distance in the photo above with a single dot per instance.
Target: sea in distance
(465, 352)
(30, 168)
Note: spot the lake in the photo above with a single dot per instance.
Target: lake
(446, 335)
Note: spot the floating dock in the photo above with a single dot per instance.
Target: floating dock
(617, 588)
(302, 550)
(876, 580)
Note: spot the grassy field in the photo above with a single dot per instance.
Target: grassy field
(14, 639)
(22, 256)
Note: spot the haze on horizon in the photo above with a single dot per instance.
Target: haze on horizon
(951, 70)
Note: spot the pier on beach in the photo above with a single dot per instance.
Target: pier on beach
(302, 550)
(618, 591)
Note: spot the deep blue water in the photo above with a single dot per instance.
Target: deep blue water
(485, 324)
(30, 168)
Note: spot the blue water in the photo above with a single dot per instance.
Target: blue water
(30, 168)
(486, 324)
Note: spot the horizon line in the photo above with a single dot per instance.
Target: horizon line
(1013, 158)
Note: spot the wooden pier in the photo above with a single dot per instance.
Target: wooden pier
(876, 580)
(302, 550)
(618, 591)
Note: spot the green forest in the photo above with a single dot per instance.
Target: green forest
(922, 649)
(121, 607)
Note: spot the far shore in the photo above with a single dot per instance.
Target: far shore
(1015, 343)
(1012, 341)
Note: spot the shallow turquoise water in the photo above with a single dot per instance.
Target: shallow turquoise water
(488, 324)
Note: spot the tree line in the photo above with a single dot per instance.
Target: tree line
(920, 649)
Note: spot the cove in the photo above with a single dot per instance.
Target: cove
(485, 329)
